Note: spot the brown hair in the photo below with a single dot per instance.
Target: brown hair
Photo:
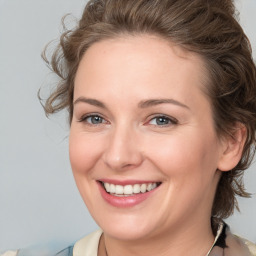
(207, 27)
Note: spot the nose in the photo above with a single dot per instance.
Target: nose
(123, 150)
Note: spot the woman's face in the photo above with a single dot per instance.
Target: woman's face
(141, 118)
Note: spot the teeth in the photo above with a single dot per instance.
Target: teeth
(143, 188)
(149, 187)
(128, 190)
(120, 190)
(136, 188)
(107, 187)
(112, 188)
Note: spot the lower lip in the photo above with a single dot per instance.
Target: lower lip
(126, 201)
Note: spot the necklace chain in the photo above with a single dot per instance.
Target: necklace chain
(105, 247)
(208, 254)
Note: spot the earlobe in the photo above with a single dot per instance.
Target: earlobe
(233, 145)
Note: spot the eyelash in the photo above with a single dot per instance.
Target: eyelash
(86, 117)
(168, 121)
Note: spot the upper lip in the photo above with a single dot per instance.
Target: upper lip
(127, 182)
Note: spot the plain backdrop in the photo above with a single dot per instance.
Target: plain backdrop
(39, 202)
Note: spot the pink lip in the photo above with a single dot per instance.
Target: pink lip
(124, 202)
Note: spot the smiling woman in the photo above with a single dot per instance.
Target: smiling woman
(162, 115)
(162, 118)
(162, 103)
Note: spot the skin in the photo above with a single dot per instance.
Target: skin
(129, 143)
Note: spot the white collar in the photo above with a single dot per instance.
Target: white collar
(88, 246)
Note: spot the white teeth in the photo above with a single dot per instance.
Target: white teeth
(136, 188)
(149, 187)
(143, 188)
(112, 188)
(128, 190)
(120, 190)
(107, 187)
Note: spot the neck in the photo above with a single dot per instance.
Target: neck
(197, 239)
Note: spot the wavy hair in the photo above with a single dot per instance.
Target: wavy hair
(207, 27)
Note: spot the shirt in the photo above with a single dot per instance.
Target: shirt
(225, 244)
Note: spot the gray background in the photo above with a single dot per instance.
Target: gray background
(39, 201)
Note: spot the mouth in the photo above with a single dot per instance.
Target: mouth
(129, 189)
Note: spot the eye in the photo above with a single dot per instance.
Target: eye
(163, 121)
(93, 119)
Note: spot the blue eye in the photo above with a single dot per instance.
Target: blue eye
(162, 121)
(93, 119)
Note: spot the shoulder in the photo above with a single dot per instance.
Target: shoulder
(251, 246)
(230, 244)
(239, 244)
(39, 252)
(66, 252)
(88, 246)
(9, 253)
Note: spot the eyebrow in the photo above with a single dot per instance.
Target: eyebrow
(142, 104)
(154, 102)
(93, 102)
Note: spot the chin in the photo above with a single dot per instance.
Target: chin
(126, 233)
(126, 227)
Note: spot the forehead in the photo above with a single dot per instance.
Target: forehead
(138, 61)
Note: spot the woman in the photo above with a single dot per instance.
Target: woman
(162, 103)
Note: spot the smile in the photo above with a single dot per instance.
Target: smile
(129, 189)
(128, 193)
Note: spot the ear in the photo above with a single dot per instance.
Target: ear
(232, 148)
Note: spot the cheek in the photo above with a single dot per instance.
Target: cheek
(83, 152)
(189, 165)
(185, 155)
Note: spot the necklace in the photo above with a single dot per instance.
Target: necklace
(106, 251)
(216, 238)
(208, 254)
